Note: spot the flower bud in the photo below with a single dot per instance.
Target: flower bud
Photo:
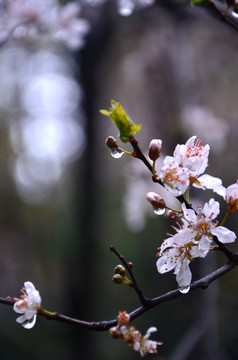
(155, 148)
(115, 332)
(119, 269)
(232, 197)
(172, 215)
(112, 143)
(118, 279)
(123, 318)
(156, 201)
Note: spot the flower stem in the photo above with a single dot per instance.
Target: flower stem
(46, 312)
(224, 219)
(126, 152)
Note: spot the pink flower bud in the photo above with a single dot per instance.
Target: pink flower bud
(155, 200)
(155, 148)
(232, 197)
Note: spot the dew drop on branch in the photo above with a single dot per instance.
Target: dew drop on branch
(117, 154)
(184, 289)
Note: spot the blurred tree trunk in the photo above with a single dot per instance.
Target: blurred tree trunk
(82, 274)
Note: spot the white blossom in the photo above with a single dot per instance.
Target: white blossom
(146, 346)
(203, 228)
(28, 305)
(174, 177)
(193, 239)
(192, 156)
(133, 337)
(176, 253)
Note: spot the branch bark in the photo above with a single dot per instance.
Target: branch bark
(202, 283)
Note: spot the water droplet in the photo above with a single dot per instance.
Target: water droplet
(126, 7)
(235, 14)
(159, 211)
(184, 289)
(28, 324)
(117, 153)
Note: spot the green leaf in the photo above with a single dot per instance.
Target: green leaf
(122, 121)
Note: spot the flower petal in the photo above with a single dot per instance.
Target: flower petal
(204, 246)
(165, 264)
(223, 234)
(211, 209)
(183, 275)
(189, 214)
(21, 319)
(211, 182)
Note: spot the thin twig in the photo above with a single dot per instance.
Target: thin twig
(128, 266)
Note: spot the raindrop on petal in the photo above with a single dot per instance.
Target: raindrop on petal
(116, 153)
(159, 211)
(184, 289)
(28, 324)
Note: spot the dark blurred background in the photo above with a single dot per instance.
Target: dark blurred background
(64, 200)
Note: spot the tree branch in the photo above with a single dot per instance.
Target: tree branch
(202, 283)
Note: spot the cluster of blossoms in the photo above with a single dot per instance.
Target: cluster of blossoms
(43, 19)
(185, 167)
(175, 177)
(28, 305)
(194, 237)
(133, 337)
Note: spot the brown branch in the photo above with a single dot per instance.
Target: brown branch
(139, 154)
(232, 256)
(202, 283)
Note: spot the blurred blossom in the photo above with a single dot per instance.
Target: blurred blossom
(34, 177)
(202, 122)
(43, 20)
(41, 104)
(126, 7)
(56, 138)
(51, 93)
(138, 184)
(11, 74)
